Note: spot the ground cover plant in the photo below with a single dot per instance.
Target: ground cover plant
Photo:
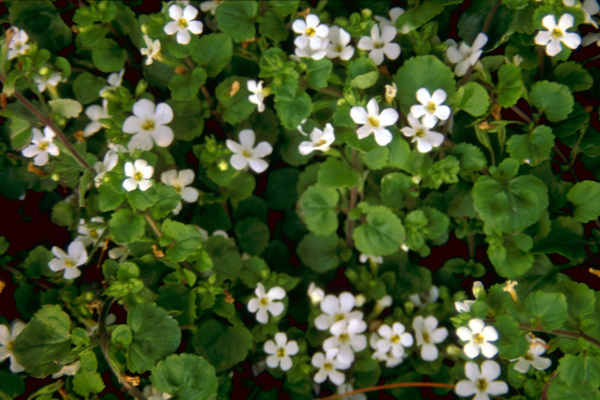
(293, 199)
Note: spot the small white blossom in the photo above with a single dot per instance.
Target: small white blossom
(210, 6)
(463, 306)
(394, 339)
(41, 146)
(245, 154)
(537, 347)
(363, 258)
(180, 181)
(329, 365)
(319, 140)
(348, 388)
(266, 301)
(111, 158)
(183, 23)
(337, 310)
(338, 44)
(138, 175)
(390, 92)
(152, 394)
(7, 340)
(481, 383)
(348, 339)
(384, 302)
(431, 108)
(44, 81)
(258, 94)
(380, 44)
(557, 34)
(313, 38)
(427, 334)
(315, 293)
(465, 55)
(479, 337)
(386, 356)
(148, 125)
(95, 113)
(426, 138)
(18, 43)
(152, 50)
(589, 8)
(591, 38)
(76, 257)
(280, 351)
(427, 297)
(69, 370)
(374, 122)
(90, 235)
(120, 252)
(114, 81)
(394, 13)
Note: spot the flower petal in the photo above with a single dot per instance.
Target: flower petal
(359, 115)
(247, 138)
(238, 162)
(163, 114)
(262, 149)
(258, 165)
(144, 109)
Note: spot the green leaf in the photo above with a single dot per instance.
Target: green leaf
(273, 27)
(253, 235)
(281, 188)
(472, 98)
(27, 300)
(36, 263)
(272, 62)
(418, 16)
(376, 159)
(509, 255)
(443, 171)
(86, 87)
(515, 4)
(581, 299)
(582, 369)
(584, 195)
(185, 87)
(510, 206)
(547, 309)
(226, 259)
(574, 76)
(318, 209)
(11, 385)
(414, 223)
(232, 94)
(222, 345)
(512, 342)
(335, 173)
(237, 18)
(362, 73)
(381, 235)
(283, 8)
(141, 200)
(553, 99)
(87, 382)
(63, 214)
(533, 148)
(559, 390)
(470, 157)
(155, 335)
(108, 56)
(44, 341)
(167, 199)
(122, 336)
(319, 253)
(186, 377)
(396, 188)
(422, 72)
(293, 111)
(112, 195)
(187, 123)
(213, 53)
(186, 239)
(318, 72)
(68, 108)
(510, 85)
(561, 240)
(126, 226)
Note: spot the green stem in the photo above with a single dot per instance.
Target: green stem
(562, 332)
(353, 199)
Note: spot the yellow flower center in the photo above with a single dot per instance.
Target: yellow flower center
(339, 48)
(310, 31)
(528, 357)
(321, 142)
(431, 107)
(148, 125)
(557, 32)
(344, 337)
(327, 366)
(482, 384)
(138, 176)
(264, 301)
(182, 22)
(10, 345)
(178, 188)
(373, 122)
(478, 338)
(378, 45)
(280, 352)
(93, 234)
(43, 146)
(426, 337)
(246, 153)
(339, 317)
(69, 262)
(420, 132)
(395, 339)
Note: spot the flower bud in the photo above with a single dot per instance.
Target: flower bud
(359, 300)
(366, 14)
(44, 71)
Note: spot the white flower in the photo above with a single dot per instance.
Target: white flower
(152, 394)
(478, 337)
(180, 180)
(119, 252)
(265, 301)
(312, 34)
(463, 306)
(590, 7)
(426, 139)
(383, 303)
(338, 44)
(7, 340)
(114, 81)
(152, 49)
(280, 351)
(427, 336)
(211, 6)
(431, 108)
(363, 258)
(139, 174)
(245, 154)
(258, 94)
(465, 55)
(309, 52)
(148, 124)
(69, 262)
(337, 310)
(481, 382)
(18, 43)
(46, 80)
(348, 388)
(380, 43)
(537, 347)
(591, 38)
(394, 339)
(183, 23)
(111, 158)
(90, 235)
(374, 122)
(348, 339)
(320, 140)
(328, 365)
(70, 370)
(428, 297)
(41, 146)
(95, 113)
(390, 92)
(557, 33)
(315, 293)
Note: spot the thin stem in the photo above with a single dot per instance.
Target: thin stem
(153, 225)
(471, 244)
(47, 121)
(353, 198)
(390, 386)
(521, 114)
(562, 332)
(564, 159)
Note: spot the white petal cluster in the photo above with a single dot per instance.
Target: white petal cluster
(338, 45)
(394, 13)
(329, 365)
(313, 38)
(183, 23)
(180, 181)
(111, 158)
(533, 358)
(337, 310)
(380, 44)
(44, 81)
(363, 258)
(319, 140)
(258, 94)
(69, 262)
(152, 49)
(589, 8)
(148, 125)
(41, 147)
(315, 293)
(152, 394)
(347, 338)
(557, 34)
(424, 298)
(427, 335)
(95, 113)
(280, 351)
(138, 175)
(7, 339)
(425, 137)
(210, 6)
(266, 301)
(374, 122)
(246, 155)
(481, 383)
(464, 55)
(423, 117)
(90, 233)
(390, 342)
(18, 43)
(465, 306)
(114, 81)
(478, 336)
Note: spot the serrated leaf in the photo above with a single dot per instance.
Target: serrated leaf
(293, 111)
(185, 87)
(510, 255)
(510, 85)
(232, 94)
(584, 195)
(225, 256)
(236, 19)
(582, 369)
(318, 210)
(222, 345)
(553, 99)
(185, 376)
(87, 382)
(186, 239)
(68, 108)
(533, 148)
(472, 98)
(335, 173)
(213, 53)
(126, 226)
(381, 235)
(547, 309)
(574, 76)
(317, 72)
(319, 253)
(253, 235)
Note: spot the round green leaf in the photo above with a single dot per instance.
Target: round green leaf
(236, 19)
(553, 99)
(319, 253)
(584, 195)
(186, 377)
(318, 210)
(533, 148)
(381, 235)
(222, 345)
(126, 226)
